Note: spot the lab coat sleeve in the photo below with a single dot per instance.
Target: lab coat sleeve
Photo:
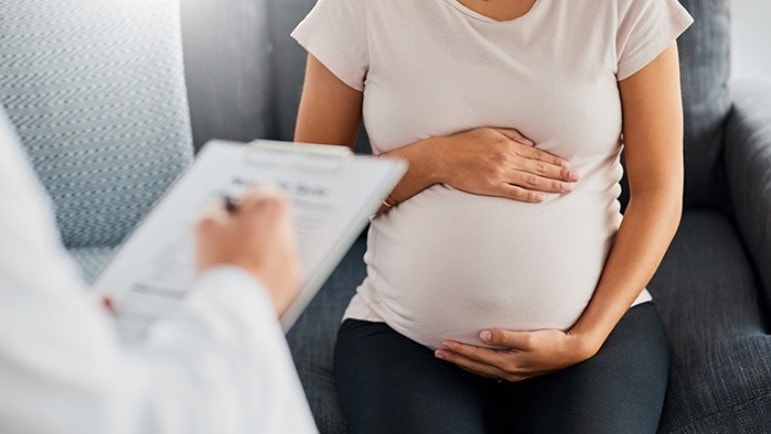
(219, 364)
(247, 378)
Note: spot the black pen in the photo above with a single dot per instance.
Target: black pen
(230, 205)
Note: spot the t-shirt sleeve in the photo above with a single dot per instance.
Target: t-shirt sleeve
(335, 32)
(645, 29)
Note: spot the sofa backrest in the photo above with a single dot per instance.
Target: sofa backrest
(228, 68)
(96, 91)
(289, 61)
(244, 72)
(705, 60)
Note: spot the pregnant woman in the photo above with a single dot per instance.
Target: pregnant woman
(504, 290)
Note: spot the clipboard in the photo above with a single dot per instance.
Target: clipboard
(332, 192)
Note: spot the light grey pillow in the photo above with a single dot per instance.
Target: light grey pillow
(96, 91)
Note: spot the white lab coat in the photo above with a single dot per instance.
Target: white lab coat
(219, 365)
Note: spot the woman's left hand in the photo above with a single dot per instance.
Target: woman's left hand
(525, 354)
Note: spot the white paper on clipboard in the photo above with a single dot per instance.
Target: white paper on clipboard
(332, 193)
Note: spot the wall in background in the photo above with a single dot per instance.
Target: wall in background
(752, 38)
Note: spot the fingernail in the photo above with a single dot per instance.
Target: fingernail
(485, 336)
(573, 175)
(567, 188)
(440, 355)
(539, 197)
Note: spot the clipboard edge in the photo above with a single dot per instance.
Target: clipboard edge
(305, 148)
(321, 274)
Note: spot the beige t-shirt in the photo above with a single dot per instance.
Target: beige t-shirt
(446, 264)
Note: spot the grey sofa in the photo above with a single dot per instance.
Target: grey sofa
(105, 117)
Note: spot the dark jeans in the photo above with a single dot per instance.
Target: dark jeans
(387, 383)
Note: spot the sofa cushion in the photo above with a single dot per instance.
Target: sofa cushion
(97, 94)
(92, 260)
(707, 295)
(705, 68)
(228, 69)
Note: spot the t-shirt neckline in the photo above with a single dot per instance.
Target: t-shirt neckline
(482, 17)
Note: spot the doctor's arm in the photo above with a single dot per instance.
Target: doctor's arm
(653, 137)
(219, 364)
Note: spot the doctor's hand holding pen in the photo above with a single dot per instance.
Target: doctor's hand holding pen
(256, 233)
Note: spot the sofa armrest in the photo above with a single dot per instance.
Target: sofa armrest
(748, 168)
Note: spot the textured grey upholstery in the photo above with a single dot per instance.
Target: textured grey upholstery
(228, 69)
(96, 91)
(284, 16)
(748, 159)
(241, 67)
(720, 370)
(705, 64)
(92, 259)
(244, 72)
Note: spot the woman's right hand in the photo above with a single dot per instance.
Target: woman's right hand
(503, 163)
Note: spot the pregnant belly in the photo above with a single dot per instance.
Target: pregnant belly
(446, 264)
